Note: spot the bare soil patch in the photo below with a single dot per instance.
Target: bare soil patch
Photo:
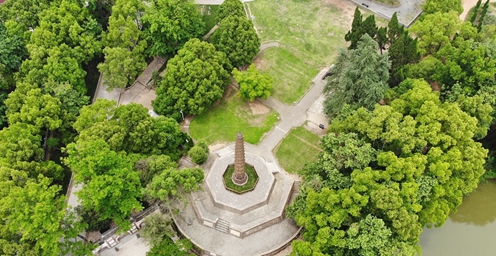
(257, 108)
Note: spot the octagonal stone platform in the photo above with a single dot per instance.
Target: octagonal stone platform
(244, 214)
(240, 203)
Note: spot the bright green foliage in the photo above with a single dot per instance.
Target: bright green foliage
(230, 8)
(169, 24)
(178, 248)
(237, 38)
(435, 31)
(461, 62)
(198, 155)
(253, 84)
(157, 228)
(121, 67)
(443, 6)
(152, 166)
(29, 105)
(111, 186)
(23, 14)
(386, 174)
(124, 45)
(358, 78)
(173, 182)
(360, 27)
(130, 128)
(35, 213)
(195, 79)
(3, 109)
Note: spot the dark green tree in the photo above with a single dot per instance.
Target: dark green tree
(230, 8)
(475, 12)
(237, 38)
(195, 78)
(359, 78)
(394, 29)
(169, 24)
(402, 52)
(356, 31)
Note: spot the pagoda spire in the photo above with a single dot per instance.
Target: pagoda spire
(239, 176)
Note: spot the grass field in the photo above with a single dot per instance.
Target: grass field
(309, 33)
(221, 123)
(300, 146)
(208, 15)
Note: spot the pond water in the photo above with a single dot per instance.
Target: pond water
(469, 231)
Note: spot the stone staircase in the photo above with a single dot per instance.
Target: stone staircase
(222, 226)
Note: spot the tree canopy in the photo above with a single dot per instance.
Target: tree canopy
(124, 45)
(237, 38)
(387, 173)
(169, 24)
(433, 6)
(195, 78)
(359, 78)
(253, 84)
(230, 8)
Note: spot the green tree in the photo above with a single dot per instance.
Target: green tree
(35, 212)
(169, 24)
(435, 31)
(195, 78)
(237, 38)
(172, 182)
(360, 27)
(394, 29)
(475, 12)
(358, 78)
(253, 84)
(29, 105)
(157, 228)
(443, 6)
(151, 166)
(178, 248)
(130, 128)
(121, 67)
(230, 8)
(125, 45)
(356, 31)
(198, 155)
(387, 173)
(12, 50)
(110, 185)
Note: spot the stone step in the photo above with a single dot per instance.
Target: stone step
(222, 226)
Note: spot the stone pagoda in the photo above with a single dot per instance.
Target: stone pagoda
(239, 176)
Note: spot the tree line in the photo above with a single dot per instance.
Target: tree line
(412, 115)
(123, 158)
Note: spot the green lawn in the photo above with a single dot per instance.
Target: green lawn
(309, 33)
(250, 184)
(300, 146)
(221, 123)
(208, 15)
